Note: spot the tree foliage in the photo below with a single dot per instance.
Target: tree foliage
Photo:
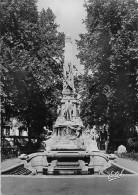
(109, 52)
(32, 59)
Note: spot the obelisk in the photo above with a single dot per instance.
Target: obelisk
(68, 81)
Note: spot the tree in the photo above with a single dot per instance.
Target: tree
(109, 52)
(32, 58)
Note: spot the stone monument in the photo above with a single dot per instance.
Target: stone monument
(71, 148)
(68, 130)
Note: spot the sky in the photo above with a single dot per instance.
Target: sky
(69, 15)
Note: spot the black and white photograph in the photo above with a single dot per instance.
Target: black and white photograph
(69, 97)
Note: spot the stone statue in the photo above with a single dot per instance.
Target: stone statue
(68, 110)
(78, 131)
(69, 78)
(63, 110)
(59, 110)
(94, 133)
(74, 111)
(78, 110)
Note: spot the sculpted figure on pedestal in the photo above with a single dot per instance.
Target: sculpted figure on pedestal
(68, 76)
(68, 110)
(78, 110)
(74, 111)
(59, 111)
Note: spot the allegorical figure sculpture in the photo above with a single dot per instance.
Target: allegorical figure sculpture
(68, 78)
(68, 110)
(59, 110)
(78, 110)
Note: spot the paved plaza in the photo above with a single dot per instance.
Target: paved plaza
(10, 163)
(128, 163)
(48, 185)
(77, 185)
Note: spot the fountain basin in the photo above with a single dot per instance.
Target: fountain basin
(67, 162)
